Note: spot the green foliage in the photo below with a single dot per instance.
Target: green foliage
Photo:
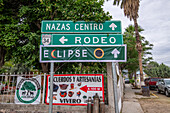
(89, 67)
(132, 54)
(21, 23)
(153, 69)
(10, 67)
(132, 81)
(129, 7)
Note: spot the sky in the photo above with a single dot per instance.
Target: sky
(154, 18)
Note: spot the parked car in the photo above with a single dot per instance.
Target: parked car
(164, 86)
(127, 81)
(151, 82)
(159, 81)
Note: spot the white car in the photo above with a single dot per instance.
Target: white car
(164, 86)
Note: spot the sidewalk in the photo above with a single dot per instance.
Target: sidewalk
(130, 103)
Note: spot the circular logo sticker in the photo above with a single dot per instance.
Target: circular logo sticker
(98, 53)
(28, 90)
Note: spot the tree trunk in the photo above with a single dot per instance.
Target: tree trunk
(45, 67)
(139, 49)
(135, 80)
(2, 56)
(81, 68)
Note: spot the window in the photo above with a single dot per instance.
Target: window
(167, 81)
(154, 79)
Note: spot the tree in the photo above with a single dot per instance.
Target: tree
(131, 8)
(8, 26)
(27, 17)
(132, 54)
(154, 69)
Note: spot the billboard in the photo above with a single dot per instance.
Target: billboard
(74, 89)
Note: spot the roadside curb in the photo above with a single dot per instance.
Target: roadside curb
(155, 95)
(138, 94)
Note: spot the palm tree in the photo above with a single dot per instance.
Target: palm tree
(132, 54)
(131, 8)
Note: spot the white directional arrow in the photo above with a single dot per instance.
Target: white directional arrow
(113, 26)
(115, 52)
(62, 40)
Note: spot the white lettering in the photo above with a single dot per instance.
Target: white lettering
(103, 39)
(114, 40)
(58, 25)
(91, 26)
(70, 52)
(84, 53)
(77, 53)
(88, 40)
(45, 53)
(95, 27)
(94, 40)
(53, 27)
(58, 52)
(63, 27)
(77, 39)
(86, 27)
(101, 26)
(81, 27)
(64, 53)
(48, 26)
(76, 27)
(68, 26)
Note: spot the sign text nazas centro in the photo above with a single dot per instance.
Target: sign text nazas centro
(80, 27)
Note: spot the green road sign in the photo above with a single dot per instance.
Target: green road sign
(49, 26)
(81, 39)
(87, 53)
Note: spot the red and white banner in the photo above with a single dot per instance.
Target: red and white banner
(74, 89)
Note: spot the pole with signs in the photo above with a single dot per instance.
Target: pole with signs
(115, 87)
(51, 88)
(80, 41)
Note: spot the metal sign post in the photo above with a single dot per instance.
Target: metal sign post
(80, 41)
(115, 87)
(51, 88)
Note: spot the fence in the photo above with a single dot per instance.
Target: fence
(8, 84)
(8, 87)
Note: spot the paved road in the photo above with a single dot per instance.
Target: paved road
(156, 105)
(161, 96)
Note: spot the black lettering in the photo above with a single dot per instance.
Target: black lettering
(99, 79)
(62, 79)
(78, 100)
(74, 101)
(61, 101)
